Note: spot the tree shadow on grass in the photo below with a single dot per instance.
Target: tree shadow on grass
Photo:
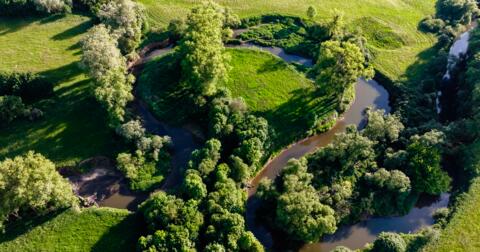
(11, 25)
(22, 226)
(52, 18)
(272, 65)
(160, 87)
(74, 31)
(121, 237)
(290, 120)
(63, 73)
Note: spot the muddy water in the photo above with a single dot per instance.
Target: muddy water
(105, 185)
(356, 236)
(368, 94)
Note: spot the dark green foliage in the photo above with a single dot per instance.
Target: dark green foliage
(193, 186)
(148, 165)
(389, 191)
(424, 166)
(89, 5)
(299, 211)
(294, 39)
(176, 29)
(433, 25)
(205, 160)
(246, 136)
(457, 11)
(348, 157)
(389, 242)
(176, 224)
(11, 107)
(17, 8)
(30, 87)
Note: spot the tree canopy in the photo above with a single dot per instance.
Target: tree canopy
(339, 65)
(31, 182)
(107, 67)
(205, 61)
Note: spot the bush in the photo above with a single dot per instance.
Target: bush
(341, 249)
(53, 6)
(30, 87)
(11, 107)
(143, 174)
(16, 8)
(433, 25)
(389, 242)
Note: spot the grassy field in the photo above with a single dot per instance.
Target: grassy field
(73, 127)
(399, 16)
(271, 88)
(463, 231)
(92, 229)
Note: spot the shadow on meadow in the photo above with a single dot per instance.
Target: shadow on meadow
(290, 120)
(21, 226)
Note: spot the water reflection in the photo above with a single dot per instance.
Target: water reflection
(356, 236)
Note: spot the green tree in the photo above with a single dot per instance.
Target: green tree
(424, 167)
(31, 183)
(457, 11)
(106, 66)
(240, 171)
(175, 223)
(339, 65)
(311, 12)
(299, 211)
(11, 107)
(390, 190)
(348, 157)
(336, 27)
(205, 61)
(53, 6)
(382, 128)
(126, 20)
(389, 242)
(193, 186)
(205, 159)
(227, 197)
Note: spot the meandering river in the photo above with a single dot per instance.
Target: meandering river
(368, 94)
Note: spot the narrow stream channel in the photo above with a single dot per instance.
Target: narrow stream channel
(458, 50)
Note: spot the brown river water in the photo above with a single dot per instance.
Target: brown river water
(368, 94)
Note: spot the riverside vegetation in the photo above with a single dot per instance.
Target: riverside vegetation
(248, 105)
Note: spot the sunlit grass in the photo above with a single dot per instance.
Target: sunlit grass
(73, 127)
(402, 16)
(463, 231)
(92, 229)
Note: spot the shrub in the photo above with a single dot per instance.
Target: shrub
(16, 7)
(30, 87)
(53, 6)
(11, 107)
(341, 249)
(144, 174)
(389, 242)
(433, 25)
